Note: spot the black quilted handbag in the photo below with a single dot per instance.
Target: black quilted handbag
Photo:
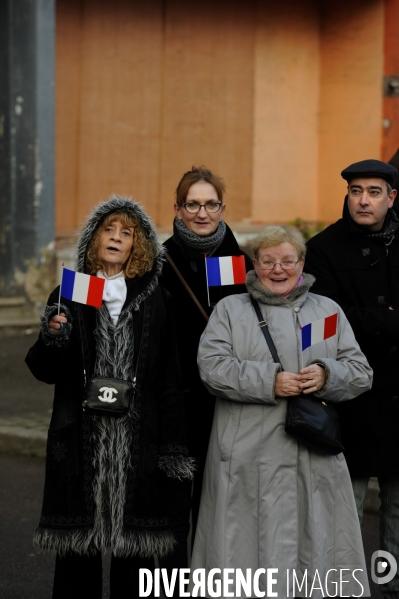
(311, 421)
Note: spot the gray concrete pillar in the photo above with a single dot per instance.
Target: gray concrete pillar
(27, 58)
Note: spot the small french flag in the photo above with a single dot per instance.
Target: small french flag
(225, 270)
(319, 330)
(81, 288)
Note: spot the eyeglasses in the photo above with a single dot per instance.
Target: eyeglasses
(285, 264)
(194, 207)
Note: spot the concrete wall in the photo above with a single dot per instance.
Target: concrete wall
(207, 98)
(107, 104)
(351, 71)
(146, 90)
(318, 103)
(390, 141)
(285, 145)
(275, 97)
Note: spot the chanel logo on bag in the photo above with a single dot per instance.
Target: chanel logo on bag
(107, 394)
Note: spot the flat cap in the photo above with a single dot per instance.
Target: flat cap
(375, 169)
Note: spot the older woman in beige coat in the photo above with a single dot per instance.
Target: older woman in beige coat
(268, 501)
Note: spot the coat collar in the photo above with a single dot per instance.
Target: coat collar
(139, 288)
(263, 295)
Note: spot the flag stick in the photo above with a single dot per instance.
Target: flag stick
(59, 295)
(206, 274)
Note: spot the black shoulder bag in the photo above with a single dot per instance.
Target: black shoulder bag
(108, 396)
(311, 421)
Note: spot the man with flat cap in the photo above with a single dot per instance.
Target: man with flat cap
(356, 263)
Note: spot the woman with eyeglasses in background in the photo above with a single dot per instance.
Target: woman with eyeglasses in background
(198, 231)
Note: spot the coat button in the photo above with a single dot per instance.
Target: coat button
(296, 309)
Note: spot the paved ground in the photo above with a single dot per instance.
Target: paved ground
(25, 403)
(25, 411)
(27, 574)
(24, 572)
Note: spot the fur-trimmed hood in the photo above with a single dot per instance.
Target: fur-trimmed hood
(110, 467)
(97, 215)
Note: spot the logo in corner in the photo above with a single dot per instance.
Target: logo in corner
(383, 567)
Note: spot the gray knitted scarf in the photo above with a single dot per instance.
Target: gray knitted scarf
(206, 244)
(265, 296)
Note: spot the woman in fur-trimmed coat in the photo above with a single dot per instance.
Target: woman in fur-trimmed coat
(111, 482)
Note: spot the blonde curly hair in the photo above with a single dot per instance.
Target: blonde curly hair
(142, 254)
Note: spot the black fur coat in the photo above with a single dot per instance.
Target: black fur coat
(112, 482)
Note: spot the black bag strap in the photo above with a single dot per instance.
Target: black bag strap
(85, 345)
(265, 331)
(186, 285)
(141, 344)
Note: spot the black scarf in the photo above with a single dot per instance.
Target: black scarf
(386, 234)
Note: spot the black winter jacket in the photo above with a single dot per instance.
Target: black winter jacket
(362, 275)
(191, 324)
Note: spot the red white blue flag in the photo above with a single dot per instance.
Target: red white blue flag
(319, 330)
(225, 270)
(81, 288)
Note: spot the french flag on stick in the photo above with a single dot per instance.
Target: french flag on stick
(319, 330)
(82, 288)
(225, 270)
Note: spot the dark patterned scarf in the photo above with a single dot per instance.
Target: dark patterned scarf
(389, 229)
(204, 244)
